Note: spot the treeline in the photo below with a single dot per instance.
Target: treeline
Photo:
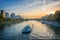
(53, 17)
(3, 19)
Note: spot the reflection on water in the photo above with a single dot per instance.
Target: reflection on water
(13, 32)
(1, 27)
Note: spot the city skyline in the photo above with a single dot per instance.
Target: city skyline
(5, 14)
(30, 8)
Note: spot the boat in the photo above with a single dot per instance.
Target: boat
(27, 29)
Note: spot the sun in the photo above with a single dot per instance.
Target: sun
(52, 12)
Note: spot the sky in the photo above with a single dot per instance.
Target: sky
(30, 8)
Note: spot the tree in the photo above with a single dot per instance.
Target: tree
(57, 15)
(1, 17)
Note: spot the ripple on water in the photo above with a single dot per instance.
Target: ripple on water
(40, 31)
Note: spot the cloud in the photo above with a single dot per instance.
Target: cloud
(32, 6)
(25, 5)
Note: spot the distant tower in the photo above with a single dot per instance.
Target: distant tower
(3, 13)
(13, 15)
(6, 15)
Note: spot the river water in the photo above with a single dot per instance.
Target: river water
(39, 31)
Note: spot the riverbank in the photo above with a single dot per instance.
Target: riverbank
(11, 22)
(51, 23)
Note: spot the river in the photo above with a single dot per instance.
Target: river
(40, 31)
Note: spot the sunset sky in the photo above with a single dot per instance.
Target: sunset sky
(30, 8)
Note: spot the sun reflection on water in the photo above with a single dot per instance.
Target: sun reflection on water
(42, 29)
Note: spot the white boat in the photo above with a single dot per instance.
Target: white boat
(27, 29)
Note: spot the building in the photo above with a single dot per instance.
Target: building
(3, 13)
(18, 16)
(13, 15)
(6, 15)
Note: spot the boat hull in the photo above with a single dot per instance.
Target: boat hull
(26, 30)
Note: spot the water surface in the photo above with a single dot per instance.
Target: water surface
(14, 31)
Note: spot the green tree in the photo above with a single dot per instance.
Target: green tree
(1, 17)
(57, 16)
